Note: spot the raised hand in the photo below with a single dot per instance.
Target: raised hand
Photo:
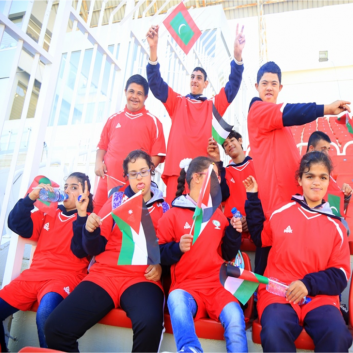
(337, 107)
(82, 200)
(93, 222)
(347, 189)
(152, 39)
(239, 43)
(34, 194)
(251, 184)
(213, 150)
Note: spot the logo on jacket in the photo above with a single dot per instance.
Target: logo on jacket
(67, 289)
(187, 225)
(217, 224)
(232, 180)
(46, 226)
(288, 230)
(118, 125)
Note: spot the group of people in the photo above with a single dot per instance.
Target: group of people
(281, 197)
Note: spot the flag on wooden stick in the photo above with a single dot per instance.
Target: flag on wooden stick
(220, 128)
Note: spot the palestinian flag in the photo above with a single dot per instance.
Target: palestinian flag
(113, 184)
(209, 199)
(44, 206)
(182, 28)
(220, 128)
(139, 241)
(241, 283)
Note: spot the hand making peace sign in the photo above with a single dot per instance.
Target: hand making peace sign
(239, 43)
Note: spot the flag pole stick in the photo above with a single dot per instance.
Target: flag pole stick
(192, 227)
(102, 219)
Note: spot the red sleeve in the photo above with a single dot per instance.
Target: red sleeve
(340, 256)
(38, 223)
(107, 225)
(221, 102)
(158, 147)
(104, 140)
(171, 102)
(266, 235)
(165, 232)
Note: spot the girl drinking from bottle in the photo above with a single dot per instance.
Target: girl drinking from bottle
(310, 254)
(59, 262)
(196, 289)
(134, 288)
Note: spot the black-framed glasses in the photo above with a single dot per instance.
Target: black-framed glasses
(143, 173)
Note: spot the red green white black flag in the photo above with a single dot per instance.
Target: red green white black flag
(182, 28)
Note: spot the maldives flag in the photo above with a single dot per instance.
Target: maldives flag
(139, 241)
(220, 128)
(348, 124)
(342, 119)
(44, 206)
(114, 185)
(182, 28)
(209, 200)
(335, 198)
(241, 283)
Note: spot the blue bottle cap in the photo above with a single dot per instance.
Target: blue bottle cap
(234, 210)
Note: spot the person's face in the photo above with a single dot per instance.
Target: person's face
(321, 146)
(198, 178)
(315, 182)
(197, 83)
(135, 97)
(232, 147)
(71, 188)
(141, 181)
(269, 87)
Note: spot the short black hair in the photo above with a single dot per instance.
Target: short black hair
(139, 80)
(198, 68)
(271, 67)
(315, 137)
(234, 134)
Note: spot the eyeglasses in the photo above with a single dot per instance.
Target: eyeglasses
(143, 173)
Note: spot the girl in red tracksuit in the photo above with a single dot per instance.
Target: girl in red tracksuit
(309, 253)
(59, 262)
(134, 288)
(196, 289)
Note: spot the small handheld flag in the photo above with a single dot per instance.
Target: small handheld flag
(139, 241)
(220, 128)
(348, 124)
(44, 206)
(209, 200)
(182, 28)
(113, 184)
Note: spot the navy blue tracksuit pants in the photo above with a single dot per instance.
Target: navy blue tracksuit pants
(325, 325)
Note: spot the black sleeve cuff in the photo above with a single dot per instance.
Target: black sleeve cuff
(252, 196)
(319, 110)
(81, 220)
(307, 285)
(28, 202)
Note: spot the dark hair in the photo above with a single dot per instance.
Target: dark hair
(315, 137)
(198, 68)
(133, 155)
(197, 165)
(81, 177)
(271, 67)
(234, 134)
(309, 159)
(139, 80)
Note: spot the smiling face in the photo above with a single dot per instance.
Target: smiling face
(197, 83)
(139, 182)
(315, 182)
(232, 147)
(269, 87)
(135, 97)
(71, 188)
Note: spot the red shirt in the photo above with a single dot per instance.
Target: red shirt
(302, 242)
(276, 156)
(191, 127)
(127, 131)
(53, 257)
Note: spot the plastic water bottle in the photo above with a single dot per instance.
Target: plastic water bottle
(56, 196)
(278, 288)
(236, 213)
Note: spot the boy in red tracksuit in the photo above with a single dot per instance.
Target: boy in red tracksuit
(128, 130)
(191, 115)
(196, 289)
(309, 253)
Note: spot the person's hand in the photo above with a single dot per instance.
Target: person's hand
(152, 36)
(244, 224)
(239, 43)
(185, 242)
(336, 108)
(93, 222)
(236, 223)
(347, 189)
(34, 194)
(296, 292)
(213, 150)
(250, 184)
(82, 200)
(153, 272)
(100, 169)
